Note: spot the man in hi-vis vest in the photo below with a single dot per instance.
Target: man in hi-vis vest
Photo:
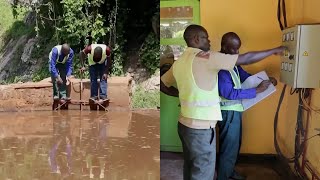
(60, 67)
(99, 65)
(195, 74)
(230, 91)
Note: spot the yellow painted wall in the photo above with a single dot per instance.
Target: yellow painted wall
(311, 14)
(255, 21)
(256, 24)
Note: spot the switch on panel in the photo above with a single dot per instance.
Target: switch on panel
(286, 66)
(288, 37)
(286, 53)
(300, 63)
(291, 36)
(290, 67)
(291, 57)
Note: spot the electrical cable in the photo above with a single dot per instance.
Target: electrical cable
(284, 13)
(275, 125)
(276, 117)
(313, 136)
(305, 93)
(300, 135)
(279, 15)
(304, 105)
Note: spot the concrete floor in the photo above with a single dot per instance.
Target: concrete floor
(253, 167)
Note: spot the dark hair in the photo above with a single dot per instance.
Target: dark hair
(227, 37)
(191, 31)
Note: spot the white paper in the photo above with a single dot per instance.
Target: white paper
(252, 82)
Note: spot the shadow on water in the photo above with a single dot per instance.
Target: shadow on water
(80, 145)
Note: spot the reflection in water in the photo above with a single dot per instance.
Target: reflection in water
(61, 146)
(79, 145)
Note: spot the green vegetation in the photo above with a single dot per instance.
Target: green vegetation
(70, 21)
(145, 99)
(11, 22)
(150, 53)
(123, 25)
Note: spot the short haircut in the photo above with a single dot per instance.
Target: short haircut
(191, 31)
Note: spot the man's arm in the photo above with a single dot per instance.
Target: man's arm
(83, 54)
(53, 62)
(243, 74)
(82, 57)
(226, 88)
(108, 66)
(218, 61)
(69, 63)
(171, 91)
(256, 56)
(109, 61)
(166, 83)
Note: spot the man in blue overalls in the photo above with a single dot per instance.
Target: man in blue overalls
(230, 91)
(60, 67)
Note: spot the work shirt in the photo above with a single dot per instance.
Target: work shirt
(53, 62)
(87, 50)
(205, 72)
(226, 85)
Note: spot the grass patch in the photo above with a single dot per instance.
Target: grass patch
(145, 99)
(18, 29)
(6, 16)
(12, 26)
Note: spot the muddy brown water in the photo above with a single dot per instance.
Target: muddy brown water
(80, 145)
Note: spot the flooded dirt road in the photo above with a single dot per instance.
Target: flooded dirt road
(80, 145)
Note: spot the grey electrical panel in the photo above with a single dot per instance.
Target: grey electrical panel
(300, 64)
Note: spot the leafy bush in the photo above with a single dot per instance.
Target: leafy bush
(150, 53)
(145, 99)
(60, 21)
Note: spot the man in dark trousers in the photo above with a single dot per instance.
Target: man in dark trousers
(99, 65)
(60, 67)
(231, 108)
(196, 75)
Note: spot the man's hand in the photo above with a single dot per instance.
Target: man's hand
(82, 69)
(105, 76)
(279, 50)
(263, 86)
(59, 80)
(68, 80)
(273, 81)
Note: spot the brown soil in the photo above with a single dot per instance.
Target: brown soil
(38, 96)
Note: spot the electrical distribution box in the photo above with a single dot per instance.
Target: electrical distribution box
(300, 64)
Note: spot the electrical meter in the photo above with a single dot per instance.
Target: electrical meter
(300, 64)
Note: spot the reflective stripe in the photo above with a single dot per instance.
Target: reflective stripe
(59, 53)
(103, 57)
(229, 103)
(199, 103)
(195, 103)
(233, 105)
(236, 78)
